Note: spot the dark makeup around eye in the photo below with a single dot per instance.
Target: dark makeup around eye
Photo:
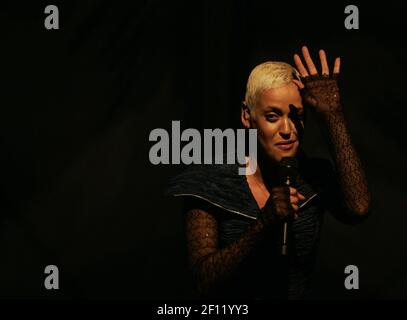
(297, 115)
(294, 111)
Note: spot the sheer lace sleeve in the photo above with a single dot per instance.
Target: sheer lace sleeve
(349, 171)
(323, 93)
(212, 265)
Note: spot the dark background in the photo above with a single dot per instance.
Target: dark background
(78, 104)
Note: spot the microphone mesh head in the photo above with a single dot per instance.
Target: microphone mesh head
(288, 169)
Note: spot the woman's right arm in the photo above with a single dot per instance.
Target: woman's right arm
(209, 263)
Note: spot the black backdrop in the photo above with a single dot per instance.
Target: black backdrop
(78, 104)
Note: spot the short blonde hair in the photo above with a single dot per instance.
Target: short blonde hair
(268, 75)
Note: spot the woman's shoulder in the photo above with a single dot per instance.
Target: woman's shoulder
(220, 186)
(199, 176)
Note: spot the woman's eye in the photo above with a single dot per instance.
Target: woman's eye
(271, 117)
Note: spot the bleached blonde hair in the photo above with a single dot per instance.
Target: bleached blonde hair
(268, 75)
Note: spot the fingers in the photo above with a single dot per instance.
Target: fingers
(301, 69)
(308, 61)
(294, 202)
(295, 198)
(337, 66)
(294, 192)
(324, 63)
(311, 69)
(278, 203)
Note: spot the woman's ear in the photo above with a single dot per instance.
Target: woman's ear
(245, 115)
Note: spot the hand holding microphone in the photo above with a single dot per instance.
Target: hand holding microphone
(280, 200)
(282, 204)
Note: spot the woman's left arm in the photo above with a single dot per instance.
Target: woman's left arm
(322, 93)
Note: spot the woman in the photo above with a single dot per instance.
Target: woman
(234, 224)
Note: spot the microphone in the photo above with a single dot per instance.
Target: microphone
(288, 169)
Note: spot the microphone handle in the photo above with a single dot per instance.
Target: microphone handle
(284, 247)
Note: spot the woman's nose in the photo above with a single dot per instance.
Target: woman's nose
(286, 128)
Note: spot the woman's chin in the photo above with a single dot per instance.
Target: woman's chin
(277, 155)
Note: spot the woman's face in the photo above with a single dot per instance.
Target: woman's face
(279, 119)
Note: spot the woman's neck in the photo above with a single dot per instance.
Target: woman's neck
(266, 172)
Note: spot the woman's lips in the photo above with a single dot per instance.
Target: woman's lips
(288, 145)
